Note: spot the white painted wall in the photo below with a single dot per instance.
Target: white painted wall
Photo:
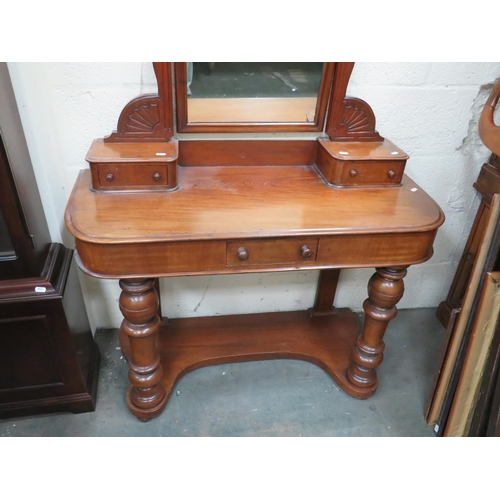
(429, 110)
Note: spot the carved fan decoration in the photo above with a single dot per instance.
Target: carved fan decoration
(349, 118)
(358, 118)
(144, 118)
(356, 122)
(148, 117)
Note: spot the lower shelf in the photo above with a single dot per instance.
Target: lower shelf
(189, 343)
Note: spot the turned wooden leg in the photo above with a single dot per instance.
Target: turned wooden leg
(146, 395)
(157, 288)
(385, 289)
(325, 293)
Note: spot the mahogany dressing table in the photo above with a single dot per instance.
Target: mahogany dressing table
(154, 204)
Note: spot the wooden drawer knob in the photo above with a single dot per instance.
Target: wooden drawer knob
(306, 252)
(242, 253)
(156, 176)
(110, 177)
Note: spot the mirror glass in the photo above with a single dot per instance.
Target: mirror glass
(250, 92)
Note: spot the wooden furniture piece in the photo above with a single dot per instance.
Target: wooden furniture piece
(487, 184)
(246, 206)
(48, 358)
(468, 310)
(486, 418)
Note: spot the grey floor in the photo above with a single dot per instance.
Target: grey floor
(266, 398)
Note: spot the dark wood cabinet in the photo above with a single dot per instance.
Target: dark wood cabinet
(48, 358)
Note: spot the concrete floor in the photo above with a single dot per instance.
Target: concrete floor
(266, 398)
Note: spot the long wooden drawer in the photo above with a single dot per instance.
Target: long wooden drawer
(253, 255)
(271, 251)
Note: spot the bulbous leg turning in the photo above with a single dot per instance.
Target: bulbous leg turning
(146, 397)
(385, 289)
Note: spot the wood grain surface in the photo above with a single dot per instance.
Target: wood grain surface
(230, 202)
(489, 131)
(190, 343)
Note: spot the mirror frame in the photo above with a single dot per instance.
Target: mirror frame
(150, 117)
(184, 126)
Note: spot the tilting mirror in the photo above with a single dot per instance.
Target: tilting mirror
(253, 92)
(247, 96)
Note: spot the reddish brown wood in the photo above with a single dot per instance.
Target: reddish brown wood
(401, 237)
(118, 238)
(190, 343)
(255, 202)
(148, 117)
(348, 164)
(132, 177)
(488, 130)
(133, 166)
(349, 118)
(354, 228)
(385, 289)
(462, 275)
(209, 257)
(271, 251)
(259, 206)
(146, 396)
(157, 288)
(488, 181)
(246, 153)
(325, 293)
(183, 124)
(487, 184)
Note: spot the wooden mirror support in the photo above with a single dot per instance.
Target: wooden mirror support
(243, 206)
(143, 154)
(148, 117)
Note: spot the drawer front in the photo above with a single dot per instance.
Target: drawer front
(371, 164)
(132, 176)
(371, 173)
(271, 251)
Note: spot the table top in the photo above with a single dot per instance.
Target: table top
(132, 152)
(246, 202)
